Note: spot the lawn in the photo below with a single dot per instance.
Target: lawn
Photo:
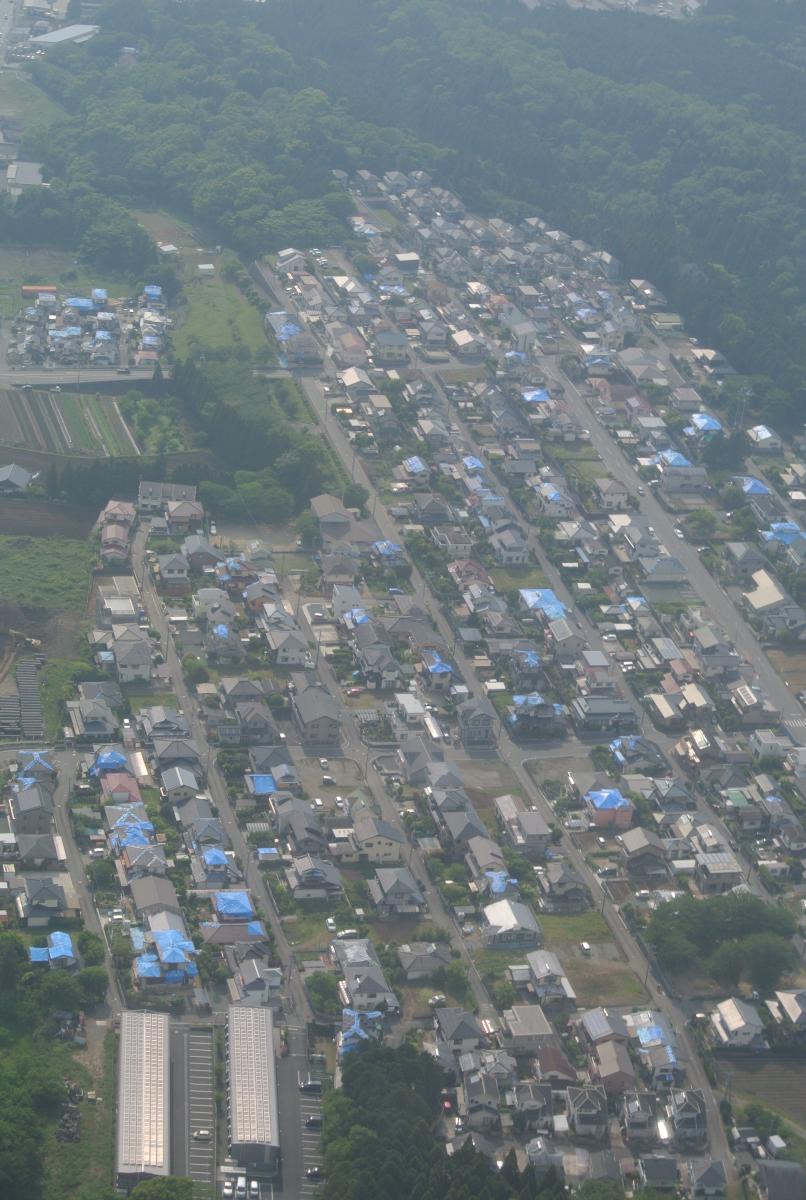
(72, 1167)
(217, 315)
(604, 982)
(573, 928)
(138, 698)
(57, 681)
(19, 266)
(49, 573)
(19, 97)
(508, 578)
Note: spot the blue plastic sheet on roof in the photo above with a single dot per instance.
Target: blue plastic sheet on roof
(38, 954)
(287, 331)
(528, 658)
(387, 549)
(131, 836)
(752, 486)
(138, 938)
(414, 465)
(233, 904)
(652, 1035)
(147, 966)
(531, 700)
(82, 303)
(607, 799)
(783, 532)
(536, 396)
(672, 458)
(357, 616)
(150, 339)
(109, 760)
(435, 664)
(262, 785)
(103, 335)
(172, 945)
(256, 929)
(25, 781)
(214, 857)
(705, 423)
(60, 945)
(516, 355)
(28, 759)
(499, 881)
(358, 1029)
(543, 600)
(152, 290)
(221, 631)
(471, 463)
(100, 295)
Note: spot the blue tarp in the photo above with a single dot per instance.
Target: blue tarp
(233, 904)
(435, 664)
(536, 396)
(261, 785)
(607, 799)
(109, 760)
(153, 291)
(517, 355)
(471, 463)
(214, 857)
(387, 549)
(100, 295)
(147, 966)
(751, 486)
(705, 423)
(38, 954)
(532, 700)
(60, 945)
(527, 658)
(783, 532)
(104, 336)
(356, 616)
(358, 1029)
(221, 631)
(256, 929)
(543, 600)
(172, 946)
(671, 458)
(81, 303)
(414, 465)
(288, 331)
(499, 881)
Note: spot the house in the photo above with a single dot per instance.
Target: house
(254, 983)
(173, 572)
(587, 1111)
(459, 1030)
(481, 1099)
(743, 559)
(176, 752)
(563, 641)
(255, 722)
(41, 901)
(717, 872)
(658, 1172)
(534, 1102)
(297, 823)
(179, 784)
(607, 808)
(736, 1024)
(477, 723)
(600, 1025)
(288, 647)
(312, 878)
(526, 830)
(613, 1067)
(395, 893)
(792, 1009)
(38, 852)
(639, 1115)
(526, 1028)
(376, 840)
(554, 504)
(364, 987)
(334, 519)
(422, 960)
(553, 1066)
(31, 809)
(509, 548)
(687, 1112)
(131, 648)
(644, 853)
(316, 715)
(781, 1180)
(707, 1178)
(154, 893)
(455, 541)
(143, 860)
(612, 494)
(548, 980)
(160, 722)
(508, 923)
(199, 553)
(562, 889)
(235, 689)
(602, 714)
(14, 480)
(184, 515)
(153, 497)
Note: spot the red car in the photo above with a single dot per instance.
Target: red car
(354, 691)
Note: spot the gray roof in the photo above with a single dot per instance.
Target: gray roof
(456, 1023)
(314, 702)
(154, 891)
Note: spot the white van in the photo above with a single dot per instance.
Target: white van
(585, 947)
(240, 1188)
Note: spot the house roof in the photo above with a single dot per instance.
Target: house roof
(457, 1024)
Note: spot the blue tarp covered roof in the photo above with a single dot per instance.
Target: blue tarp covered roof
(261, 785)
(751, 486)
(499, 880)
(471, 463)
(147, 966)
(435, 664)
(387, 549)
(543, 600)
(672, 458)
(414, 465)
(233, 904)
(357, 616)
(536, 396)
(288, 331)
(60, 945)
(109, 760)
(82, 303)
(531, 700)
(172, 945)
(100, 294)
(38, 954)
(528, 658)
(607, 799)
(783, 532)
(28, 759)
(214, 857)
(152, 290)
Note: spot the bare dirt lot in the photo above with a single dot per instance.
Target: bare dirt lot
(32, 518)
(791, 664)
(769, 1079)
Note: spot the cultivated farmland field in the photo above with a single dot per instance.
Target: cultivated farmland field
(64, 423)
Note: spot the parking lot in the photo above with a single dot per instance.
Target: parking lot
(193, 1103)
(310, 1107)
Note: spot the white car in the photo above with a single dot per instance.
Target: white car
(330, 925)
(678, 533)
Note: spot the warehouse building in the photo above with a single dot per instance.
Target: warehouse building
(252, 1089)
(143, 1145)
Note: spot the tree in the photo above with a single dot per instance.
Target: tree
(307, 527)
(91, 947)
(194, 670)
(768, 957)
(323, 991)
(93, 982)
(355, 496)
(168, 1188)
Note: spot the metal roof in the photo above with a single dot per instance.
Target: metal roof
(252, 1080)
(143, 1118)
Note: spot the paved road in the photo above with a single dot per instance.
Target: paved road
(64, 376)
(193, 1102)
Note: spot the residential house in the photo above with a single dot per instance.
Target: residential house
(687, 1112)
(153, 497)
(534, 1102)
(639, 1116)
(312, 878)
(587, 1111)
(176, 752)
(131, 648)
(613, 1067)
(179, 784)
(422, 960)
(288, 647)
(510, 924)
(184, 515)
(548, 980)
(480, 1103)
(477, 723)
(154, 893)
(736, 1024)
(316, 715)
(611, 494)
(707, 1179)
(31, 809)
(395, 893)
(717, 872)
(658, 1172)
(458, 1030)
(644, 853)
(607, 808)
(525, 829)
(377, 841)
(526, 1028)
(364, 987)
(602, 714)
(562, 889)
(791, 1007)
(509, 548)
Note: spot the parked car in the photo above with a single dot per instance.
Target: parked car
(310, 1085)
(330, 924)
(313, 1122)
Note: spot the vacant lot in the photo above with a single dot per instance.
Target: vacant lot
(570, 930)
(791, 664)
(605, 982)
(36, 518)
(769, 1079)
(51, 573)
(507, 579)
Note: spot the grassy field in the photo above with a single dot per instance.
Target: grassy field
(57, 684)
(49, 573)
(217, 315)
(110, 425)
(604, 983)
(140, 699)
(21, 98)
(72, 1167)
(573, 928)
(507, 578)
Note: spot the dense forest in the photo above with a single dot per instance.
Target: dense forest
(679, 146)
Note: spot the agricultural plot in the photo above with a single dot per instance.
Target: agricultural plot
(65, 424)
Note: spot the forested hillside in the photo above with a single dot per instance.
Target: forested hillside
(680, 147)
